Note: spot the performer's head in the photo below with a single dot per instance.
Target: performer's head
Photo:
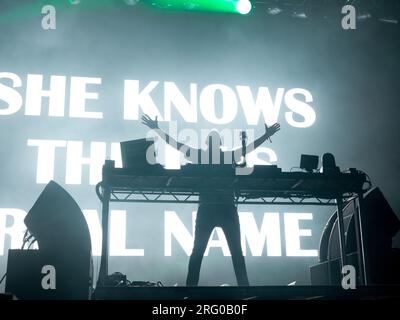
(213, 139)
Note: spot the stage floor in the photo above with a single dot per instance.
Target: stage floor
(247, 293)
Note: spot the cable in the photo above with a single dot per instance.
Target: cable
(27, 237)
(24, 239)
(4, 276)
(369, 181)
(98, 193)
(30, 245)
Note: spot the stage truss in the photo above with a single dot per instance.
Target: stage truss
(192, 197)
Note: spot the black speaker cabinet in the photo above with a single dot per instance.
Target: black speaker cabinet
(380, 225)
(24, 275)
(57, 222)
(329, 272)
(58, 225)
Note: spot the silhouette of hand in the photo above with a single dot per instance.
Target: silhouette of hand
(152, 124)
(270, 131)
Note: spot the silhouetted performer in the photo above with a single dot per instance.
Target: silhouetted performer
(216, 209)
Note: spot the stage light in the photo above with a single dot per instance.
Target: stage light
(299, 15)
(243, 6)
(74, 1)
(388, 12)
(229, 6)
(274, 11)
(364, 16)
(385, 20)
(131, 2)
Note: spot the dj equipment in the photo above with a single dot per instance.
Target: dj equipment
(329, 164)
(309, 162)
(190, 180)
(264, 185)
(137, 153)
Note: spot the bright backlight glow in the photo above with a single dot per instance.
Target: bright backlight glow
(243, 6)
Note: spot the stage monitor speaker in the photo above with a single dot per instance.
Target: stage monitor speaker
(57, 222)
(26, 276)
(329, 273)
(329, 244)
(380, 225)
(60, 228)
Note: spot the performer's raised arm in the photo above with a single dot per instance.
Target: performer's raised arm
(269, 132)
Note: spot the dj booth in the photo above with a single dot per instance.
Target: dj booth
(261, 185)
